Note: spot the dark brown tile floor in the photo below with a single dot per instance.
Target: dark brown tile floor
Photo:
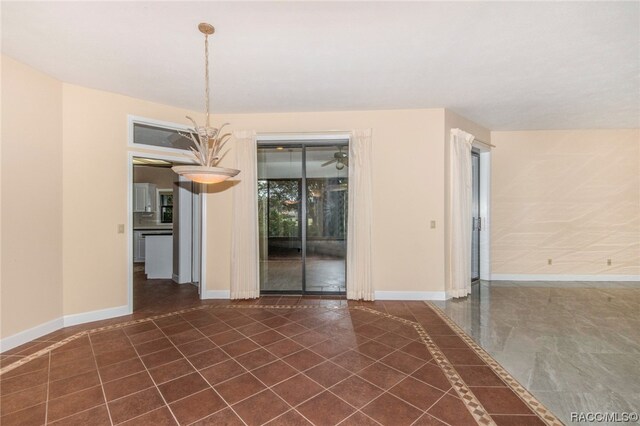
(155, 296)
(313, 361)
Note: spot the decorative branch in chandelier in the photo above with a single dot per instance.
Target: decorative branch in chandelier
(208, 141)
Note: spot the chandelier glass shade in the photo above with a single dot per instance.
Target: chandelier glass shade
(208, 141)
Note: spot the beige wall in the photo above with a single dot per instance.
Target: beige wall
(95, 194)
(455, 121)
(572, 196)
(31, 198)
(408, 191)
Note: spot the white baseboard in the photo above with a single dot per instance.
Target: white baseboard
(217, 294)
(562, 277)
(410, 295)
(30, 334)
(58, 323)
(98, 315)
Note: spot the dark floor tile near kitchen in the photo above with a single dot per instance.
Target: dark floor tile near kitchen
(315, 361)
(326, 409)
(260, 408)
(390, 410)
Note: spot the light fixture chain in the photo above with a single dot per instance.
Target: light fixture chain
(207, 141)
(206, 75)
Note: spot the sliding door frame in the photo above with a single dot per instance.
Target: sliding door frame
(477, 214)
(303, 143)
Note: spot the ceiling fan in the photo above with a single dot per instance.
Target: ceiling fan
(340, 158)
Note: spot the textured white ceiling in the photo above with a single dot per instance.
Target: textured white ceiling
(508, 66)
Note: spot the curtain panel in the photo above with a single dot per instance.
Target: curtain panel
(245, 278)
(359, 218)
(460, 199)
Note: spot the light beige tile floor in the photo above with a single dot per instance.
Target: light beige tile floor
(575, 346)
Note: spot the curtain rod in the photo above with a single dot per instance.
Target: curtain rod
(305, 133)
(483, 143)
(341, 132)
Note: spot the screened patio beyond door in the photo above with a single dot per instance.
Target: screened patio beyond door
(302, 215)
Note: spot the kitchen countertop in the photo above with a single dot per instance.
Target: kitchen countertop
(168, 226)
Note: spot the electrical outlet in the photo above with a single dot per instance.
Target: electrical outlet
(121, 228)
(433, 224)
(609, 262)
(549, 261)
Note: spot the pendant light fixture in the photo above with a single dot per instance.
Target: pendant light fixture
(208, 141)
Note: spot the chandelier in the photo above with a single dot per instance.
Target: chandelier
(208, 141)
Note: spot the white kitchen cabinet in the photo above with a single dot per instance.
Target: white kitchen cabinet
(159, 254)
(139, 242)
(144, 197)
(138, 246)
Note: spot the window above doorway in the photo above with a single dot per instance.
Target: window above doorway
(158, 135)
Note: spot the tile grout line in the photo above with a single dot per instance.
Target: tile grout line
(426, 412)
(151, 377)
(324, 389)
(74, 414)
(254, 376)
(46, 410)
(201, 376)
(20, 375)
(278, 358)
(359, 411)
(38, 403)
(104, 395)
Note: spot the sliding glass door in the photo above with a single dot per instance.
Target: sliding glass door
(302, 211)
(280, 218)
(326, 212)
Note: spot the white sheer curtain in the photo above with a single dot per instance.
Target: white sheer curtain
(359, 277)
(460, 182)
(245, 279)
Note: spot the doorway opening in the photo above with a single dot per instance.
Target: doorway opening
(166, 237)
(302, 215)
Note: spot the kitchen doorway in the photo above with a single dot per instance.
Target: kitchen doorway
(302, 216)
(166, 236)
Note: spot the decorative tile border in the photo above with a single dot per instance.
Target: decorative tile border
(536, 406)
(468, 398)
(80, 334)
(466, 395)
